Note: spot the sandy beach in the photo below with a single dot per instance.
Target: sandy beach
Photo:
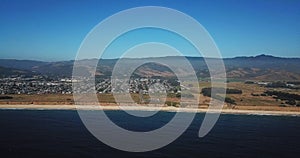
(286, 112)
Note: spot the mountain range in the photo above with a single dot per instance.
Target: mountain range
(261, 67)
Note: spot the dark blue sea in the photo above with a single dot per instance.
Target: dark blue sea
(61, 134)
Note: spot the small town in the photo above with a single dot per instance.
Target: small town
(41, 84)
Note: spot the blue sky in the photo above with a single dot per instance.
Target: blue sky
(52, 30)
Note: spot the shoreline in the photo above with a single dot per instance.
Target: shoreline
(148, 108)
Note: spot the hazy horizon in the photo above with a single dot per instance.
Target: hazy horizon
(153, 57)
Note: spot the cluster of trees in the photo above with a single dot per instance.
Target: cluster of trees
(289, 97)
(280, 84)
(229, 100)
(233, 91)
(249, 82)
(283, 95)
(294, 82)
(277, 84)
(263, 94)
(6, 97)
(184, 95)
(172, 103)
(207, 92)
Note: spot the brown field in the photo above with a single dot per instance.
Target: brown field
(244, 101)
(62, 99)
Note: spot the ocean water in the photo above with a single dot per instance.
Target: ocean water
(61, 134)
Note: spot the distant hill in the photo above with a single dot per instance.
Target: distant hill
(262, 67)
(20, 64)
(5, 72)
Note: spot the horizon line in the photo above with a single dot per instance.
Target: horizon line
(266, 55)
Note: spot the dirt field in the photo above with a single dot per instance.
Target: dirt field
(244, 101)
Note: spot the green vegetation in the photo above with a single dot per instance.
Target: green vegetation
(207, 91)
(253, 94)
(230, 101)
(283, 95)
(185, 95)
(172, 103)
(277, 84)
(249, 82)
(294, 82)
(280, 84)
(291, 102)
(6, 97)
(290, 98)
